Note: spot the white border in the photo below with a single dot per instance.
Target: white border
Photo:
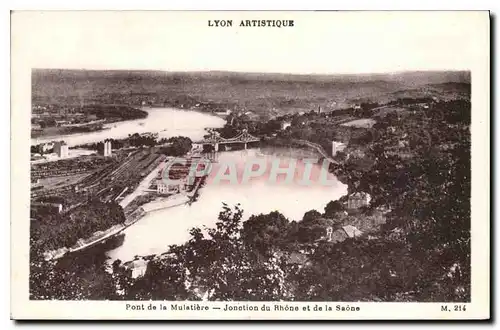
(480, 166)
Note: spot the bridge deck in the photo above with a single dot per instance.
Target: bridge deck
(242, 138)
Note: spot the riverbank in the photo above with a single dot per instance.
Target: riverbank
(133, 217)
(166, 122)
(65, 119)
(67, 130)
(101, 236)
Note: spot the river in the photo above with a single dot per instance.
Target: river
(167, 122)
(157, 230)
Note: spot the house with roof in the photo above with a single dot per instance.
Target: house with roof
(136, 268)
(351, 231)
(342, 234)
(336, 236)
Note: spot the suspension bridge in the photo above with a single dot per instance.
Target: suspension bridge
(215, 140)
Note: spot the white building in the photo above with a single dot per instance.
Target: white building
(106, 149)
(336, 147)
(61, 149)
(167, 189)
(137, 268)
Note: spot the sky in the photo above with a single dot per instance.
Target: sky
(319, 42)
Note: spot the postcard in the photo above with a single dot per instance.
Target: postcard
(250, 165)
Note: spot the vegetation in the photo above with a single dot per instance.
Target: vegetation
(78, 277)
(55, 230)
(176, 146)
(133, 140)
(112, 112)
(90, 117)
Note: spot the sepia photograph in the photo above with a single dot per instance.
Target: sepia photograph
(250, 164)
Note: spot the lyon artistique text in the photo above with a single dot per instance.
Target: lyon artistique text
(251, 23)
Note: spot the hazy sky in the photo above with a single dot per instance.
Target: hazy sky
(321, 42)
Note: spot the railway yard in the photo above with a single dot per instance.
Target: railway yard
(93, 176)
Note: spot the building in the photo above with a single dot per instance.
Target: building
(136, 268)
(352, 231)
(105, 149)
(336, 236)
(342, 234)
(61, 149)
(163, 188)
(336, 147)
(176, 177)
(357, 200)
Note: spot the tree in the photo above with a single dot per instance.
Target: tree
(332, 208)
(358, 270)
(314, 229)
(428, 192)
(218, 265)
(80, 277)
(164, 279)
(311, 215)
(178, 146)
(265, 232)
(55, 231)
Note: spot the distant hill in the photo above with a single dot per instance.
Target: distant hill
(258, 92)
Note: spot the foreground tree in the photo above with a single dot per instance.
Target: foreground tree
(178, 146)
(82, 277)
(217, 265)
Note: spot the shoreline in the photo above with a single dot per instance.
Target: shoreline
(35, 140)
(139, 213)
